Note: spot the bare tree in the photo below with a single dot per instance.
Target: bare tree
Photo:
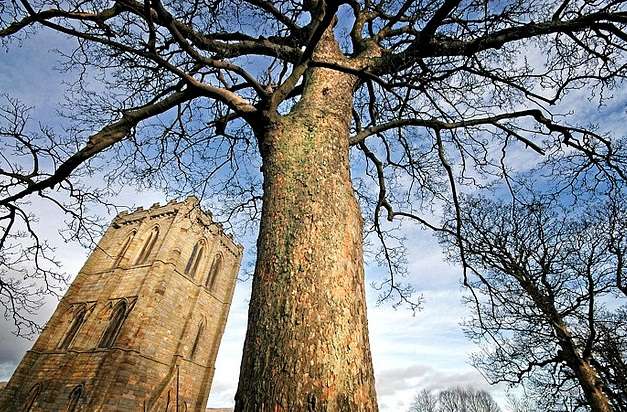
(425, 401)
(268, 107)
(454, 400)
(545, 284)
(466, 400)
(28, 268)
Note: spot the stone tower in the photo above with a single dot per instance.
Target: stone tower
(140, 326)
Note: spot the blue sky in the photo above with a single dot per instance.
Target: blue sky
(410, 352)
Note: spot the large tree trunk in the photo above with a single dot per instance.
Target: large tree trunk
(307, 347)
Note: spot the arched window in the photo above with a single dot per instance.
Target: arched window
(194, 259)
(216, 266)
(75, 397)
(201, 329)
(77, 322)
(115, 324)
(124, 249)
(148, 246)
(32, 397)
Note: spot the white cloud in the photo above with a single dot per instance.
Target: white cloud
(431, 342)
(397, 387)
(425, 351)
(230, 354)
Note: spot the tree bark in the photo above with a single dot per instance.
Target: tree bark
(589, 379)
(586, 374)
(307, 347)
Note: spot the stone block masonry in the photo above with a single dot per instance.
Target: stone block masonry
(140, 326)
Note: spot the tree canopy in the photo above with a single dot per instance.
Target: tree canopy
(447, 94)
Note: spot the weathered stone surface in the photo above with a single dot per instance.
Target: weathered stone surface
(157, 356)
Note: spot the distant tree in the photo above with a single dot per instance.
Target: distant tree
(546, 282)
(466, 400)
(454, 400)
(425, 401)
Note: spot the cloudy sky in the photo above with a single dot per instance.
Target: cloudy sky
(410, 352)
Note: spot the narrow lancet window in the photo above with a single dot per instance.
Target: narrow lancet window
(123, 250)
(197, 263)
(148, 246)
(32, 397)
(216, 266)
(201, 329)
(115, 324)
(75, 397)
(194, 259)
(77, 322)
